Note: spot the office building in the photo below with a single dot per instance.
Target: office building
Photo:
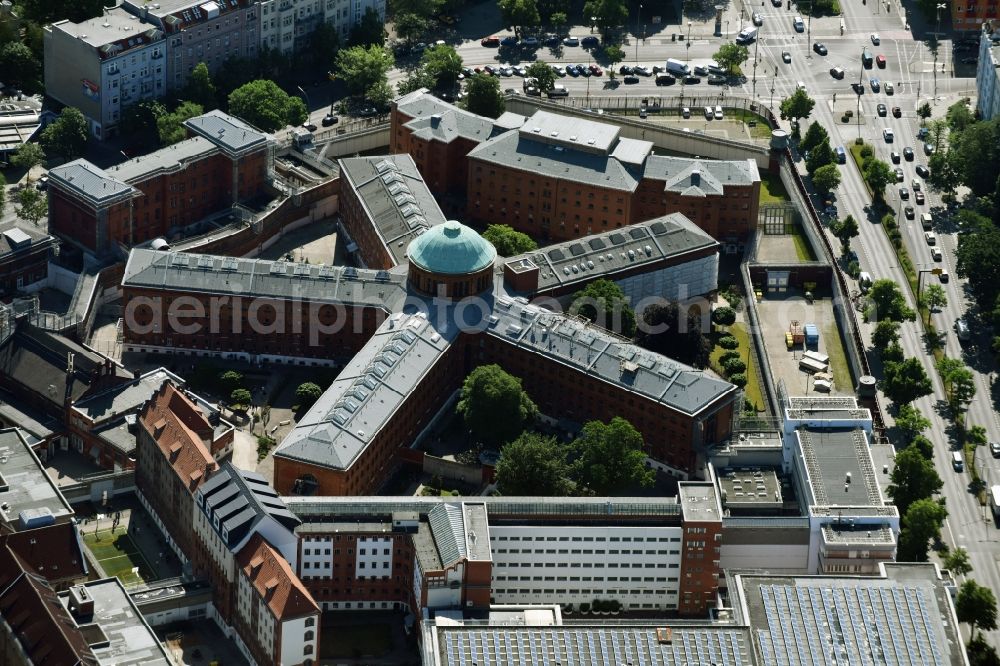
(987, 72)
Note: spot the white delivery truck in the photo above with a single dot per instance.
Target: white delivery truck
(747, 35)
(677, 68)
(995, 501)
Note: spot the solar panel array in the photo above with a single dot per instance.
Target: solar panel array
(849, 626)
(590, 646)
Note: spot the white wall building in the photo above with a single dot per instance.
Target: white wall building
(287, 24)
(987, 74)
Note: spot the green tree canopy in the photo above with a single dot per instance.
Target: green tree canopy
(558, 20)
(960, 383)
(380, 95)
(266, 106)
(826, 178)
(615, 54)
(170, 126)
(815, 135)
(921, 523)
(520, 14)
(610, 458)
(200, 89)
(495, 407)
(410, 26)
(959, 116)
(820, 156)
(507, 241)
(878, 175)
(482, 96)
(924, 111)
(845, 230)
(307, 393)
(534, 465)
(424, 8)
(542, 72)
(138, 123)
(976, 606)
(67, 135)
(799, 105)
(443, 64)
(679, 335)
(905, 381)
(979, 260)
(886, 334)
(889, 301)
(957, 561)
(30, 205)
(3, 194)
(982, 653)
(21, 69)
(415, 80)
(724, 316)
(973, 153)
(361, 67)
(913, 478)
(27, 156)
(731, 55)
(934, 297)
(911, 422)
(608, 14)
(369, 31)
(324, 43)
(604, 303)
(240, 397)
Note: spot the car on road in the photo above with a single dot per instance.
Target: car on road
(709, 113)
(509, 40)
(330, 119)
(775, 3)
(686, 112)
(664, 79)
(625, 69)
(922, 133)
(820, 48)
(701, 70)
(801, 85)
(915, 184)
(909, 212)
(786, 56)
(571, 41)
(876, 40)
(923, 171)
(887, 134)
(643, 70)
(837, 72)
(908, 154)
(897, 112)
(936, 254)
(874, 83)
(919, 198)
(798, 24)
(718, 112)
(758, 19)
(900, 176)
(590, 40)
(930, 237)
(904, 194)
(492, 40)
(995, 449)
(929, 149)
(894, 156)
(882, 110)
(691, 80)
(858, 88)
(716, 80)
(530, 43)
(944, 277)
(889, 89)
(630, 79)
(596, 70)
(521, 71)
(880, 61)
(551, 40)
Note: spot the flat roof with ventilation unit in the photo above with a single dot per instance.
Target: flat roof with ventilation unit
(25, 488)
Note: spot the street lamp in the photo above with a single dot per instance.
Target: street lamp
(937, 44)
(305, 96)
(638, 22)
(688, 41)
(755, 43)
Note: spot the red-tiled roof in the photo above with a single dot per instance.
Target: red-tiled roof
(52, 551)
(273, 579)
(175, 424)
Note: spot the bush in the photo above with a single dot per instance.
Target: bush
(845, 119)
(739, 379)
(854, 269)
(308, 393)
(724, 316)
(734, 366)
(584, 608)
(728, 342)
(729, 356)
(867, 151)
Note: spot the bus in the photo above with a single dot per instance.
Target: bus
(995, 501)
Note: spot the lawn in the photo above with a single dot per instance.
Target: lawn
(118, 555)
(361, 640)
(760, 130)
(752, 388)
(803, 250)
(772, 190)
(838, 359)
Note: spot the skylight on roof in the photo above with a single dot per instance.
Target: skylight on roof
(385, 165)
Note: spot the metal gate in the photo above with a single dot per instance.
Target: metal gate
(778, 219)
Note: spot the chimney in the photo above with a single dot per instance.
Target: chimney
(175, 450)
(696, 177)
(436, 120)
(81, 604)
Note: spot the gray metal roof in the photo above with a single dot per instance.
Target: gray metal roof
(15, 237)
(452, 121)
(524, 151)
(572, 132)
(826, 407)
(395, 198)
(234, 136)
(123, 398)
(510, 120)
(594, 644)
(199, 273)
(699, 501)
(115, 25)
(130, 641)
(168, 158)
(605, 356)
(608, 253)
(241, 500)
(120, 434)
(714, 175)
(831, 454)
(90, 182)
(477, 531)
(858, 534)
(448, 527)
(391, 365)
(24, 485)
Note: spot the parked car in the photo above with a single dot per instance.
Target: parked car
(596, 70)
(758, 19)
(876, 40)
(530, 43)
(919, 198)
(701, 70)
(888, 88)
(887, 134)
(894, 156)
(571, 41)
(923, 171)
(590, 40)
(880, 61)
(559, 70)
(709, 113)
(509, 40)
(718, 112)
(717, 80)
(820, 48)
(310, 126)
(929, 149)
(330, 119)
(995, 449)
(625, 69)
(897, 112)
(643, 70)
(686, 112)
(875, 83)
(691, 80)
(786, 56)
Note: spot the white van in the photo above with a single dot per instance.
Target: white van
(926, 221)
(864, 282)
(558, 90)
(747, 35)
(677, 68)
(957, 461)
(962, 329)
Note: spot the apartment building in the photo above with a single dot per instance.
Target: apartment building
(29, 498)
(287, 24)
(987, 74)
(104, 65)
(25, 251)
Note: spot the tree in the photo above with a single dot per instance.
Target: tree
(923, 446)
(410, 26)
(28, 156)
(542, 73)
(944, 176)
(557, 20)
(905, 381)
(417, 79)
(534, 465)
(913, 478)
(976, 436)
(610, 459)
(200, 89)
(443, 64)
(921, 523)
(845, 230)
(959, 116)
(604, 303)
(425, 8)
(30, 205)
(482, 96)
(665, 329)
(976, 606)
(889, 301)
(798, 106)
(978, 259)
(361, 67)
(886, 334)
(973, 153)
(615, 54)
(934, 297)
(877, 175)
(819, 156)
(380, 95)
(138, 123)
(520, 14)
(495, 407)
(924, 111)
(911, 422)
(938, 132)
(731, 55)
(20, 67)
(957, 561)
(981, 653)
(66, 135)
(814, 136)
(170, 126)
(826, 178)
(266, 106)
(960, 383)
(607, 14)
(507, 241)
(724, 316)
(324, 43)
(230, 380)
(369, 31)
(240, 397)
(307, 393)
